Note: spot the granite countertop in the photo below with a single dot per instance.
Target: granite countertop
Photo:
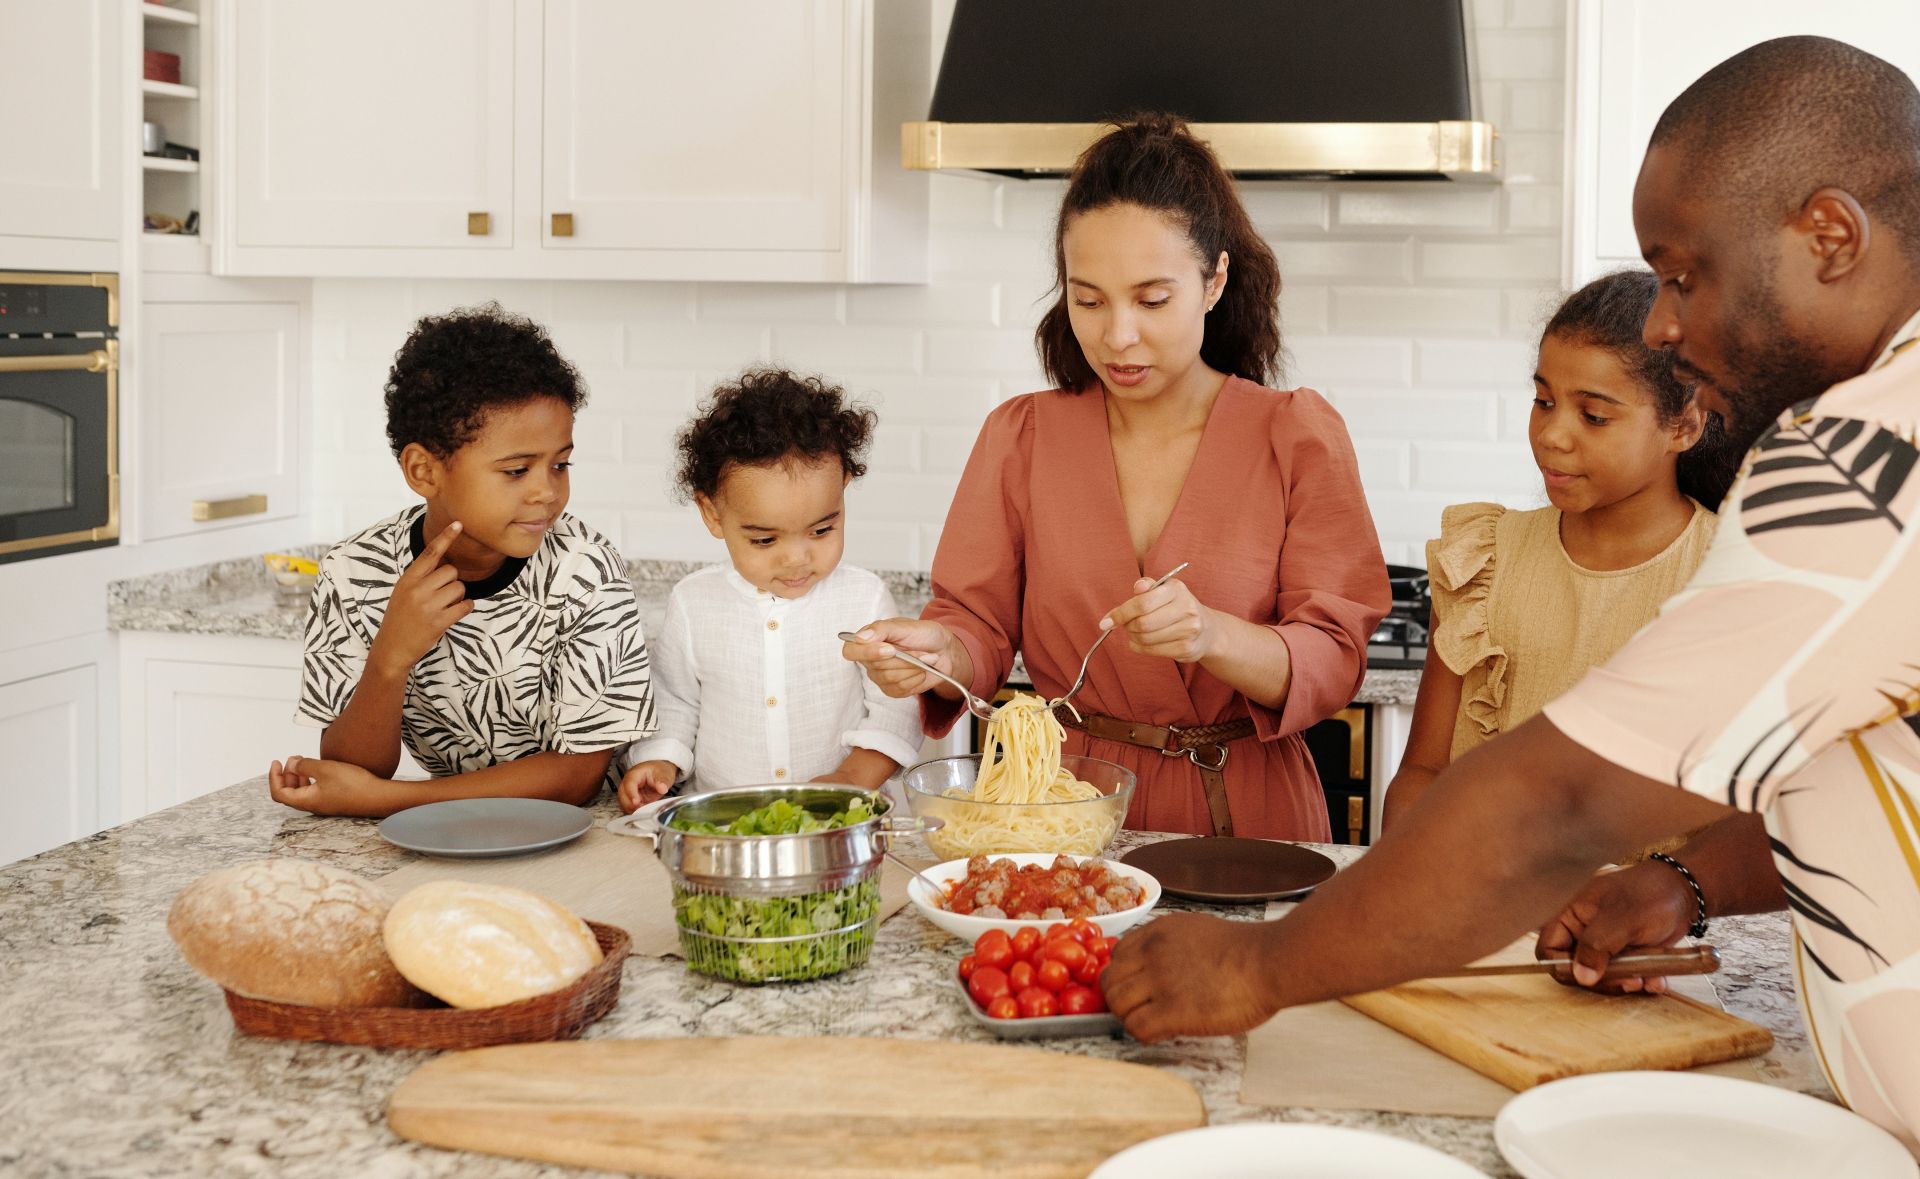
(239, 597)
(121, 1061)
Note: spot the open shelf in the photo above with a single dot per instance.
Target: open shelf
(166, 164)
(160, 14)
(167, 89)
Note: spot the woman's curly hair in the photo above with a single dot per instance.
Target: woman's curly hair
(767, 415)
(455, 369)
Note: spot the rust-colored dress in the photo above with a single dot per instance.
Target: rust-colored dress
(1036, 551)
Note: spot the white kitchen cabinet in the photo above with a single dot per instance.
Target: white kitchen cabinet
(369, 125)
(606, 139)
(61, 171)
(715, 126)
(201, 712)
(219, 416)
(1633, 57)
(49, 760)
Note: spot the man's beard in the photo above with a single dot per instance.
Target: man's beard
(1768, 370)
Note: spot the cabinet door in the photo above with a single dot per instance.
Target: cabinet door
(1651, 50)
(373, 124)
(219, 415)
(49, 761)
(209, 725)
(718, 125)
(60, 157)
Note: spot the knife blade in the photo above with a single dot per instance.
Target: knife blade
(1691, 960)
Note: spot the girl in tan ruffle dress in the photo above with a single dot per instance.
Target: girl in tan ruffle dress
(1525, 602)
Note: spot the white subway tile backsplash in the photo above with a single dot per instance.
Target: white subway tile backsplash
(1378, 310)
(1415, 307)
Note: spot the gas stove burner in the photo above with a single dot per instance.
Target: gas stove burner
(1400, 641)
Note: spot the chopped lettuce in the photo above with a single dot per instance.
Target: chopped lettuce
(708, 923)
(779, 817)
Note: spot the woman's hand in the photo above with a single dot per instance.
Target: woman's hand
(1166, 620)
(930, 642)
(325, 787)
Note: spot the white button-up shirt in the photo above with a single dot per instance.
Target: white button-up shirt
(750, 687)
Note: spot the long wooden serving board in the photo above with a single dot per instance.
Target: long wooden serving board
(1525, 1030)
(810, 1108)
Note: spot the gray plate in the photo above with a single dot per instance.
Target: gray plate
(1046, 1027)
(471, 828)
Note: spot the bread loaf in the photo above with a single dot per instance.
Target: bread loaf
(481, 945)
(290, 931)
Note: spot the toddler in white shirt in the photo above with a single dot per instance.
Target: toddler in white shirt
(748, 680)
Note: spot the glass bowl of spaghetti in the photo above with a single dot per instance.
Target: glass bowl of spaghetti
(972, 826)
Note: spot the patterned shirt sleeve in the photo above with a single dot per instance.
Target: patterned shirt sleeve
(1797, 632)
(334, 653)
(598, 677)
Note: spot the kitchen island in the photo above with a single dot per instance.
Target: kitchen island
(119, 1060)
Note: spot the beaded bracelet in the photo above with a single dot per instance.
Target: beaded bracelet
(1699, 926)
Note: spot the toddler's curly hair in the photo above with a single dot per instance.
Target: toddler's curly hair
(770, 415)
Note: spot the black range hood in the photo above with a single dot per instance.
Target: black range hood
(1284, 89)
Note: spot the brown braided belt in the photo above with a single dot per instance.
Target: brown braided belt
(1206, 746)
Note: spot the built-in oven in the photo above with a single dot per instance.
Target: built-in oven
(59, 413)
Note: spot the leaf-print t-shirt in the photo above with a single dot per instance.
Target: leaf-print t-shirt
(550, 658)
(1785, 679)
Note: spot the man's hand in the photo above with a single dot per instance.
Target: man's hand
(427, 599)
(646, 782)
(1190, 975)
(326, 787)
(1646, 906)
(1166, 620)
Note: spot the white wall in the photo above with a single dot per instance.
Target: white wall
(1413, 306)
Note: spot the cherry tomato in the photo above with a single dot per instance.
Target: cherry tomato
(1106, 946)
(1026, 941)
(1037, 1004)
(1020, 976)
(1053, 975)
(1057, 930)
(994, 949)
(966, 967)
(1088, 972)
(1064, 950)
(1079, 1000)
(1084, 931)
(987, 984)
(1005, 1007)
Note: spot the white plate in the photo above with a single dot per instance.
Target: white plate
(1282, 1150)
(1700, 1126)
(971, 928)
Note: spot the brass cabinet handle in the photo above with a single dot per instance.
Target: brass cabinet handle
(479, 224)
(227, 509)
(563, 225)
(1356, 818)
(1355, 718)
(97, 361)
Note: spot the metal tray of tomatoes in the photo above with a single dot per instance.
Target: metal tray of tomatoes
(1044, 1027)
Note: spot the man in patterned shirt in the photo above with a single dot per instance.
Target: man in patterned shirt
(1780, 204)
(494, 634)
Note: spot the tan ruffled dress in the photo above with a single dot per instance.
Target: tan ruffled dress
(1520, 623)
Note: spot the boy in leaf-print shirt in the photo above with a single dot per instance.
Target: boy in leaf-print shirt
(495, 635)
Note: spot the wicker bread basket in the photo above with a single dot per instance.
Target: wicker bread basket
(558, 1015)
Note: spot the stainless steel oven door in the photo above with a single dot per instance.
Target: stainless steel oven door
(59, 445)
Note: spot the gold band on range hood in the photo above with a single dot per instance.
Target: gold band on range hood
(1454, 150)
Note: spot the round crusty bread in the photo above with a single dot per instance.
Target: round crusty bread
(481, 945)
(291, 931)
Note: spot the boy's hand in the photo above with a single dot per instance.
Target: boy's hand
(427, 599)
(647, 782)
(325, 787)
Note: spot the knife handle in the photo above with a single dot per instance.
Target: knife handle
(1651, 963)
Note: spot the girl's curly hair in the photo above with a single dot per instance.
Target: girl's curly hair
(455, 369)
(764, 416)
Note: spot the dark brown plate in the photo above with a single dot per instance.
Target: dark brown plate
(1231, 870)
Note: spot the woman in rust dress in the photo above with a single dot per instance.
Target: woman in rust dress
(1160, 445)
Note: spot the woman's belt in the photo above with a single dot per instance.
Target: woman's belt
(1203, 745)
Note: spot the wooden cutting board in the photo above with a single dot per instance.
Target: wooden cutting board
(1525, 1030)
(812, 1108)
